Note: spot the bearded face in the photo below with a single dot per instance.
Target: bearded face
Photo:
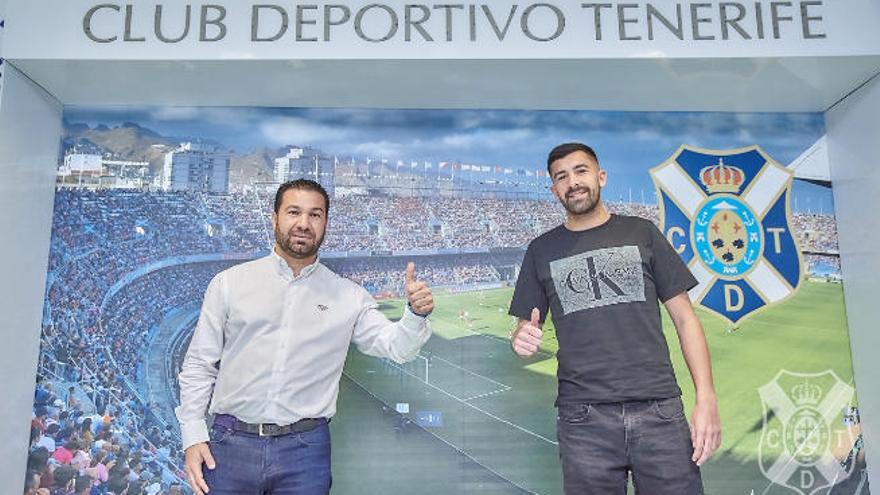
(581, 199)
(300, 223)
(298, 241)
(577, 183)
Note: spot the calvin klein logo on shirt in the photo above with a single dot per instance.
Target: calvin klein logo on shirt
(599, 278)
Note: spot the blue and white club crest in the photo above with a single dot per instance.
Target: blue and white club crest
(727, 215)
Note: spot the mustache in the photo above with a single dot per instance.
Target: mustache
(300, 233)
(572, 192)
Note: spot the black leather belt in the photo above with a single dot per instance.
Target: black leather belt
(268, 429)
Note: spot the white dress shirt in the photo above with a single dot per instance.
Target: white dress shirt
(269, 346)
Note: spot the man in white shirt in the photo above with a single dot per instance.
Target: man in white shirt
(267, 355)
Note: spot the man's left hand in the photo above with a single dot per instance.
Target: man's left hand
(705, 430)
(421, 301)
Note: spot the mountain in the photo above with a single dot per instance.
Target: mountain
(126, 142)
(251, 167)
(130, 141)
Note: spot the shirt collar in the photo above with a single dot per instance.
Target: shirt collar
(286, 272)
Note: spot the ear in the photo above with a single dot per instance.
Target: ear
(274, 221)
(603, 177)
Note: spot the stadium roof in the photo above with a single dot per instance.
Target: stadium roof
(812, 165)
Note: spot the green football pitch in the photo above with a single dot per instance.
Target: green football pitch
(493, 428)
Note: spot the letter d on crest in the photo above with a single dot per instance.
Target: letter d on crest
(733, 298)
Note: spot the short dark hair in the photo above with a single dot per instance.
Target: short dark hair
(38, 458)
(82, 482)
(303, 184)
(117, 483)
(63, 475)
(566, 149)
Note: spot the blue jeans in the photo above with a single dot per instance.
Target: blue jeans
(296, 463)
(600, 444)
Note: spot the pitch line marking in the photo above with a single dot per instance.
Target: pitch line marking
(487, 394)
(478, 409)
(453, 446)
(450, 363)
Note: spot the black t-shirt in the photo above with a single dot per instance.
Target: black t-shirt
(602, 286)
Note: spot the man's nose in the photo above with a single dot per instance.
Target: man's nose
(301, 222)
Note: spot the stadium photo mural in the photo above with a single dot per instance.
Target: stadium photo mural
(153, 202)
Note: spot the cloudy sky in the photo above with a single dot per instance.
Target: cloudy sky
(628, 143)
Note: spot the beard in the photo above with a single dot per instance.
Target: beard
(581, 205)
(298, 244)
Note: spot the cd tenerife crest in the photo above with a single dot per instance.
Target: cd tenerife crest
(727, 215)
(806, 428)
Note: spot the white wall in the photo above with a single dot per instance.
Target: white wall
(30, 130)
(2, 32)
(853, 128)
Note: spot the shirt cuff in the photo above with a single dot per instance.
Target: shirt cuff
(412, 321)
(193, 432)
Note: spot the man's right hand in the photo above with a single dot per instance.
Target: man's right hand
(526, 338)
(195, 455)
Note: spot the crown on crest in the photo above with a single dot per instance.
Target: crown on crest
(722, 178)
(806, 394)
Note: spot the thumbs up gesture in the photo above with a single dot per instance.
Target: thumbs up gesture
(527, 336)
(421, 301)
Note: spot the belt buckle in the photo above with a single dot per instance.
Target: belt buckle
(261, 430)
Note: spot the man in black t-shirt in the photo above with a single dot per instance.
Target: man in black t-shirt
(603, 277)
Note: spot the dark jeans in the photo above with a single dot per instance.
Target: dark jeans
(599, 444)
(297, 463)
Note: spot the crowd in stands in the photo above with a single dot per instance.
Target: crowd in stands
(99, 364)
(76, 448)
(154, 225)
(139, 306)
(816, 233)
(90, 421)
(822, 265)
